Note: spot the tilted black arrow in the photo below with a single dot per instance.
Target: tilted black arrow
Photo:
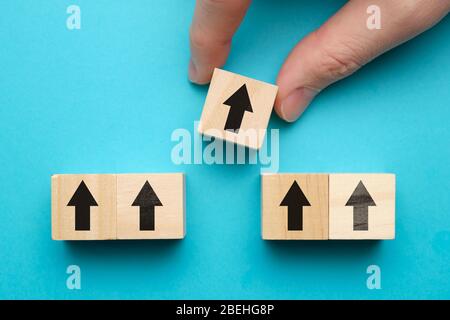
(147, 200)
(295, 200)
(82, 200)
(360, 200)
(239, 102)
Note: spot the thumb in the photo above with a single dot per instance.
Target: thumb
(345, 43)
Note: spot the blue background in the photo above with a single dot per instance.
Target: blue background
(106, 98)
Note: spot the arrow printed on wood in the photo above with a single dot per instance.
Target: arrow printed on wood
(82, 200)
(295, 200)
(147, 200)
(239, 102)
(360, 200)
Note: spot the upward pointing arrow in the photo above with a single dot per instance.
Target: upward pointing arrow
(295, 200)
(239, 102)
(82, 200)
(360, 200)
(147, 200)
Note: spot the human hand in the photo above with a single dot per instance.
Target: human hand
(337, 49)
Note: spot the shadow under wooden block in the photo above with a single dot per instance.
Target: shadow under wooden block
(84, 207)
(237, 109)
(151, 206)
(362, 206)
(294, 206)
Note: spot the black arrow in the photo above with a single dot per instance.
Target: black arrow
(360, 200)
(82, 200)
(295, 200)
(147, 200)
(239, 102)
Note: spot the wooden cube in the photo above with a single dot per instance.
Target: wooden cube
(294, 206)
(237, 109)
(83, 207)
(150, 206)
(362, 206)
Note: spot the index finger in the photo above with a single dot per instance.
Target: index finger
(212, 29)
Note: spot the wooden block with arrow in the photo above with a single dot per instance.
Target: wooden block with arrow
(124, 206)
(84, 207)
(237, 109)
(294, 206)
(362, 206)
(150, 206)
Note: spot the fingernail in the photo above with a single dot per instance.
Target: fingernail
(294, 104)
(192, 73)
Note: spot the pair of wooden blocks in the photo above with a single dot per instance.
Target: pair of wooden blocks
(118, 206)
(328, 206)
(294, 206)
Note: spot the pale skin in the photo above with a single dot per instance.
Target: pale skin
(334, 51)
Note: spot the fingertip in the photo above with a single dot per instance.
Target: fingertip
(294, 104)
(197, 77)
